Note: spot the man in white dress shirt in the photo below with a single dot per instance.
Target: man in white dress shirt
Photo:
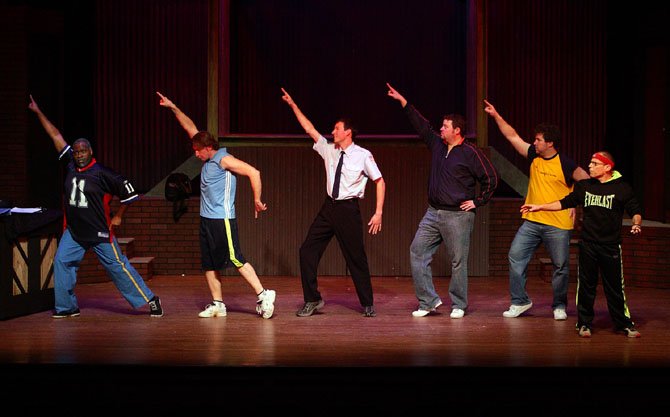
(348, 167)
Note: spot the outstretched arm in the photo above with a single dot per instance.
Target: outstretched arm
(183, 119)
(508, 131)
(302, 119)
(553, 206)
(375, 222)
(51, 130)
(240, 167)
(396, 95)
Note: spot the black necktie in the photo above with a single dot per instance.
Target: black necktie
(338, 174)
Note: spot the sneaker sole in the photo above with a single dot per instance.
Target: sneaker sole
(520, 312)
(424, 313)
(65, 317)
(213, 315)
(267, 313)
(457, 315)
(317, 308)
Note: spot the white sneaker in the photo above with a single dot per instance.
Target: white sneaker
(457, 313)
(421, 312)
(560, 314)
(213, 310)
(515, 311)
(265, 305)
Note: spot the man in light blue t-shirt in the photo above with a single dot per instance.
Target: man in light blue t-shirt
(219, 242)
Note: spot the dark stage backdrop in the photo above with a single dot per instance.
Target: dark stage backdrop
(335, 56)
(546, 63)
(596, 69)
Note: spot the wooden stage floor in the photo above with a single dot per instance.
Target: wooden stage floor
(338, 360)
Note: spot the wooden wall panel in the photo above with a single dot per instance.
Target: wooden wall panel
(294, 189)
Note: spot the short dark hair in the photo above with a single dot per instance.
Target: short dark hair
(348, 124)
(204, 139)
(551, 133)
(457, 121)
(85, 141)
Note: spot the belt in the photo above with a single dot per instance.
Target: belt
(344, 200)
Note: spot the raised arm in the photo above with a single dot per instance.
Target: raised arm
(396, 95)
(240, 167)
(508, 131)
(302, 119)
(51, 130)
(183, 119)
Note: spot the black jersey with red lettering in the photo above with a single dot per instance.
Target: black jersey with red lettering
(88, 193)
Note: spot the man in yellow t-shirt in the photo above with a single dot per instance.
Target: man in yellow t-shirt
(551, 178)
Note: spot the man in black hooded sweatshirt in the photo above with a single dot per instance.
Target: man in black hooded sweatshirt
(604, 197)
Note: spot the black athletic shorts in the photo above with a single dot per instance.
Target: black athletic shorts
(219, 244)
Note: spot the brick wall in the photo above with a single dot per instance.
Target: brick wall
(175, 246)
(646, 256)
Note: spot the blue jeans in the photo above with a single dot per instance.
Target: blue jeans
(527, 240)
(437, 226)
(66, 264)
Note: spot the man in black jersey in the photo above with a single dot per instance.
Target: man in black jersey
(604, 197)
(89, 188)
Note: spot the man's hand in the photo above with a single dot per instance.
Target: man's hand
(468, 205)
(396, 95)
(165, 102)
(33, 105)
(259, 206)
(375, 224)
(490, 109)
(287, 98)
(116, 221)
(529, 208)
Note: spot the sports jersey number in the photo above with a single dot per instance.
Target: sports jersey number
(77, 197)
(129, 187)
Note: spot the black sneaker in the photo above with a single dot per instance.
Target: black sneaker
(309, 308)
(155, 307)
(369, 311)
(66, 314)
(632, 332)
